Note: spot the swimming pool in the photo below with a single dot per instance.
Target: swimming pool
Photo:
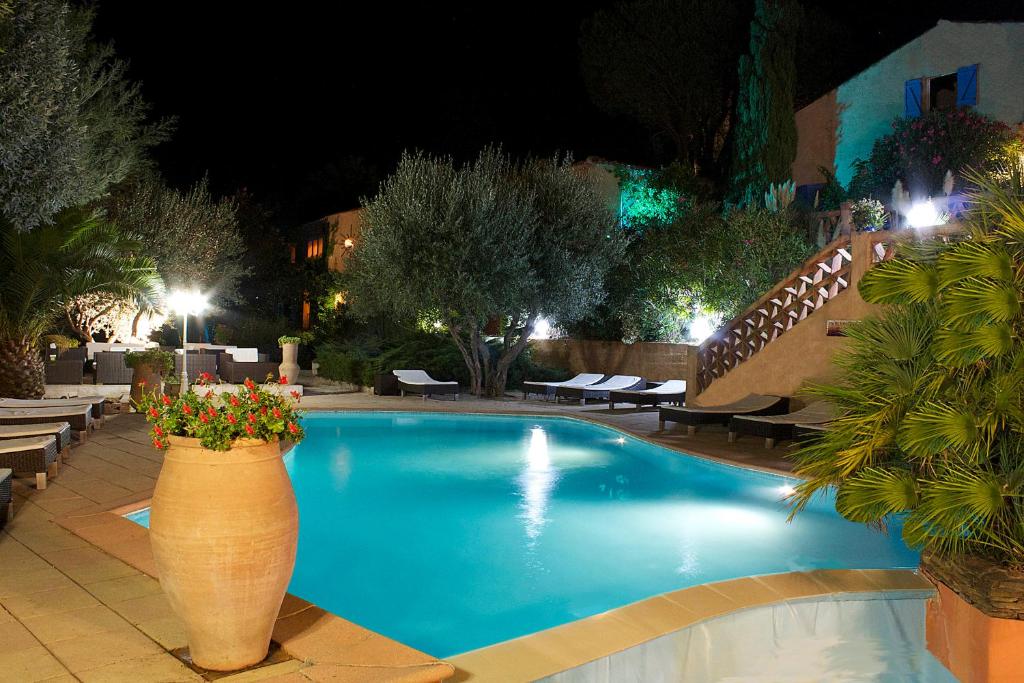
(452, 532)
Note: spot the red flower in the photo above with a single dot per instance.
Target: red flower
(153, 412)
(283, 380)
(186, 408)
(263, 410)
(232, 419)
(293, 428)
(254, 397)
(234, 401)
(166, 400)
(249, 384)
(208, 394)
(159, 432)
(142, 382)
(295, 394)
(204, 419)
(249, 430)
(251, 417)
(205, 376)
(277, 413)
(212, 411)
(157, 444)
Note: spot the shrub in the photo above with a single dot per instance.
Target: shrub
(61, 341)
(288, 339)
(920, 150)
(868, 214)
(160, 361)
(930, 423)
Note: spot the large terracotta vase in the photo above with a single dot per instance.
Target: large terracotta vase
(224, 529)
(289, 366)
(145, 380)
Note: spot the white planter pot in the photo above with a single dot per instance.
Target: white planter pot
(289, 364)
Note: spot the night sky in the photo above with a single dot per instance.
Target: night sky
(307, 103)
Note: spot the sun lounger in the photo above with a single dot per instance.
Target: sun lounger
(672, 391)
(61, 431)
(548, 388)
(94, 402)
(806, 432)
(599, 390)
(779, 427)
(419, 382)
(693, 417)
(79, 417)
(6, 500)
(36, 454)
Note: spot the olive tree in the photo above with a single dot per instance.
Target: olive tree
(490, 241)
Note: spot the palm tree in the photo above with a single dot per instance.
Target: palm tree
(43, 269)
(932, 393)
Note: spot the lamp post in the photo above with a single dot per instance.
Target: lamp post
(185, 303)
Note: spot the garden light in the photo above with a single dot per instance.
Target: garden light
(923, 214)
(185, 303)
(702, 327)
(541, 329)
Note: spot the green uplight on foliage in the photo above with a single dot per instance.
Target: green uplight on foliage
(641, 202)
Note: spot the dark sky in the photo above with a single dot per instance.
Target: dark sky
(267, 97)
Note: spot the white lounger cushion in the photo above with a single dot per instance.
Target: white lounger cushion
(14, 431)
(29, 444)
(49, 402)
(417, 377)
(616, 382)
(581, 380)
(672, 386)
(48, 412)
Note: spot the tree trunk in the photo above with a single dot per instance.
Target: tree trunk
(469, 357)
(22, 374)
(497, 382)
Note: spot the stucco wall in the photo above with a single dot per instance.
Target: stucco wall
(817, 130)
(650, 360)
(867, 103)
(342, 226)
(803, 354)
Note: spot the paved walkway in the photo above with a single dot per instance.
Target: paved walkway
(71, 612)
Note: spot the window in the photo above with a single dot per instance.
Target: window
(291, 251)
(943, 93)
(315, 248)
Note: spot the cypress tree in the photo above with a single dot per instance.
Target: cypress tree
(765, 135)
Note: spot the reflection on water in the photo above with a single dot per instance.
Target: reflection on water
(536, 482)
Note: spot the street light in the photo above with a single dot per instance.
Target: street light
(185, 303)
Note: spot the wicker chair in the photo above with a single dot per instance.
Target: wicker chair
(198, 363)
(65, 371)
(111, 368)
(36, 454)
(234, 372)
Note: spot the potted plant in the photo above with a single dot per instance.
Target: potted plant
(148, 370)
(224, 521)
(931, 429)
(289, 357)
(868, 215)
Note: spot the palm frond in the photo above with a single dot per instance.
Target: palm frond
(874, 493)
(900, 281)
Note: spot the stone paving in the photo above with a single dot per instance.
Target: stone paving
(71, 612)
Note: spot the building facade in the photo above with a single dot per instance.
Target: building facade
(953, 64)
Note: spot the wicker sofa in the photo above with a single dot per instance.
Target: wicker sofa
(235, 372)
(198, 363)
(64, 371)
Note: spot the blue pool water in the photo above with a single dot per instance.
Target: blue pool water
(452, 532)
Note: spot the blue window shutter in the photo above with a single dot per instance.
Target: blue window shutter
(912, 98)
(967, 86)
